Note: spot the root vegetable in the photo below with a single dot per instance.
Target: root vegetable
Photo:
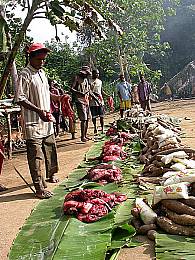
(137, 223)
(171, 228)
(190, 202)
(178, 207)
(150, 168)
(152, 234)
(184, 219)
(193, 188)
(155, 180)
(143, 230)
(157, 163)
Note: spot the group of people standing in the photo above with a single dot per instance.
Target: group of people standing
(137, 94)
(36, 98)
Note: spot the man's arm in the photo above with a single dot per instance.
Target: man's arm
(28, 105)
(73, 87)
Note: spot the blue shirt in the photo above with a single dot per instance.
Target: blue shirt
(124, 88)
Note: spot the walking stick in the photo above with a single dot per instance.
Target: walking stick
(24, 180)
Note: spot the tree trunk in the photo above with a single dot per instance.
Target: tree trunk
(19, 39)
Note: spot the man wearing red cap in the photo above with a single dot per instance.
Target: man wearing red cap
(34, 97)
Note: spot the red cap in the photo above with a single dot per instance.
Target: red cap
(36, 47)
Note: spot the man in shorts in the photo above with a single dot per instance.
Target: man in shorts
(124, 93)
(80, 89)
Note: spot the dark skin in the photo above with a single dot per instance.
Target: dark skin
(84, 123)
(96, 76)
(122, 78)
(37, 62)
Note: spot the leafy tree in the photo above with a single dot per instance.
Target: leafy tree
(142, 22)
(70, 13)
(62, 63)
(180, 34)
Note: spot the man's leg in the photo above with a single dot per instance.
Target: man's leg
(83, 130)
(50, 154)
(86, 128)
(102, 123)
(122, 107)
(94, 124)
(143, 105)
(148, 105)
(35, 156)
(121, 112)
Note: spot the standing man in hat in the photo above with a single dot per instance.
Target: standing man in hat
(34, 97)
(81, 90)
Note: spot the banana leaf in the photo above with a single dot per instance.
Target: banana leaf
(95, 152)
(174, 247)
(48, 234)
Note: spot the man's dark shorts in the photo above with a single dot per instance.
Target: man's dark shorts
(83, 111)
(97, 111)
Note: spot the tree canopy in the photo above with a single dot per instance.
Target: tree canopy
(121, 33)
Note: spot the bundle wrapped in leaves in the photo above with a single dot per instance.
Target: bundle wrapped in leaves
(91, 205)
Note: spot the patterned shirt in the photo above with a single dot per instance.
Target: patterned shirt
(33, 86)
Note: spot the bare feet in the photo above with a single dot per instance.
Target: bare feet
(44, 194)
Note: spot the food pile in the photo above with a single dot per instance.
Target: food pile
(171, 166)
(113, 149)
(105, 173)
(91, 205)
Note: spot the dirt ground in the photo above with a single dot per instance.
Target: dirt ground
(18, 201)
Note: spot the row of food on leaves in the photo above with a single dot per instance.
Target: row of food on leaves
(89, 205)
(171, 166)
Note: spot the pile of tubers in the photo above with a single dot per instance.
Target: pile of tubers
(162, 154)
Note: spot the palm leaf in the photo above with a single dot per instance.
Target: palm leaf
(174, 247)
(48, 234)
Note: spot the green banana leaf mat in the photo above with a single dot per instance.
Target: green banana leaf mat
(49, 234)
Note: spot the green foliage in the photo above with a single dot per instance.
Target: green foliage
(142, 22)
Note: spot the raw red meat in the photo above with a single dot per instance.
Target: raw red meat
(104, 173)
(90, 205)
(66, 107)
(110, 103)
(111, 131)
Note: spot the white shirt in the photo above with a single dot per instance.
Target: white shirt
(96, 88)
(33, 86)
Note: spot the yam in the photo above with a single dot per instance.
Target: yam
(157, 172)
(172, 228)
(178, 207)
(137, 223)
(145, 149)
(157, 163)
(193, 188)
(143, 230)
(184, 219)
(152, 234)
(190, 201)
(142, 158)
